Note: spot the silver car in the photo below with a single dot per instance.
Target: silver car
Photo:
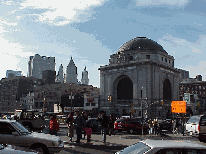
(164, 147)
(13, 133)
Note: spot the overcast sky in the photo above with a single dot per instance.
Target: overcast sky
(91, 30)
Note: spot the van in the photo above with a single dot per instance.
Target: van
(192, 125)
(202, 130)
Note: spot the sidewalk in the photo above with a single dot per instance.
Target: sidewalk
(96, 139)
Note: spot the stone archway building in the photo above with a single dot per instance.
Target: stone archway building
(141, 67)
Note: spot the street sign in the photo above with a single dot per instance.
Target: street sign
(187, 98)
(178, 106)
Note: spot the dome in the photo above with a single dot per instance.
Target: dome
(141, 43)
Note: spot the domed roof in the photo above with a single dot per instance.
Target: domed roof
(141, 43)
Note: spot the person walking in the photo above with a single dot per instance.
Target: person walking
(70, 125)
(104, 124)
(84, 115)
(79, 125)
(53, 125)
(111, 125)
(150, 126)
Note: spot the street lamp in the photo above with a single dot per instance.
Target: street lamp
(142, 111)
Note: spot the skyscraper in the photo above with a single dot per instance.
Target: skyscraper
(85, 79)
(71, 72)
(37, 64)
(60, 77)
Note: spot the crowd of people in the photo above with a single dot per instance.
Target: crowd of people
(107, 125)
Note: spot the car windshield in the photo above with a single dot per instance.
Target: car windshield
(193, 119)
(121, 120)
(136, 148)
(20, 127)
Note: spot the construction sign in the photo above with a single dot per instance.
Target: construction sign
(178, 106)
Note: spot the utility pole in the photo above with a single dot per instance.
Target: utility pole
(142, 113)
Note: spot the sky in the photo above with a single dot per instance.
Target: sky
(90, 31)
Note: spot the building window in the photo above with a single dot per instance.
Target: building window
(140, 113)
(169, 61)
(93, 104)
(130, 57)
(147, 56)
(87, 104)
(165, 59)
(203, 87)
(200, 87)
(162, 58)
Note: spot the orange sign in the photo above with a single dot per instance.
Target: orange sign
(178, 106)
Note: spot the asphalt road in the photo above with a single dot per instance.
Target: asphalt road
(114, 142)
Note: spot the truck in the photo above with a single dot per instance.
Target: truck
(31, 119)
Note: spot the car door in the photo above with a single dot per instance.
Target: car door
(6, 136)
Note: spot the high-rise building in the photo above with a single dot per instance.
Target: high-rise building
(85, 79)
(37, 64)
(11, 73)
(71, 72)
(60, 77)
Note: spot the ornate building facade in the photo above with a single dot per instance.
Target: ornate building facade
(140, 78)
(71, 72)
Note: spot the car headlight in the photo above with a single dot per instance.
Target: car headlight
(55, 143)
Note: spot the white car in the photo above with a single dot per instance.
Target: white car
(192, 125)
(164, 147)
(13, 133)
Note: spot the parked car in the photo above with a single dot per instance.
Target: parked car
(149, 146)
(192, 125)
(130, 125)
(202, 129)
(13, 133)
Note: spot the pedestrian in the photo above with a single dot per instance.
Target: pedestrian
(53, 125)
(88, 131)
(79, 125)
(104, 124)
(150, 126)
(111, 125)
(84, 115)
(155, 126)
(70, 125)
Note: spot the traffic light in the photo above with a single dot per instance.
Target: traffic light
(130, 105)
(110, 98)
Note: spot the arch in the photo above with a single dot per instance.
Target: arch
(124, 88)
(167, 90)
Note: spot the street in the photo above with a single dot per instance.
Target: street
(114, 142)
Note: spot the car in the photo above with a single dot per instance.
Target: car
(202, 129)
(150, 146)
(130, 125)
(9, 149)
(93, 124)
(13, 133)
(61, 119)
(165, 125)
(192, 125)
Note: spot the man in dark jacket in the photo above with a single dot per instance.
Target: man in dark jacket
(104, 123)
(79, 125)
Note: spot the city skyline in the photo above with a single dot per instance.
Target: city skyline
(91, 31)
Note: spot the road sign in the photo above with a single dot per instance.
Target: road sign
(186, 97)
(178, 106)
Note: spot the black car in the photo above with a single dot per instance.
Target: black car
(93, 124)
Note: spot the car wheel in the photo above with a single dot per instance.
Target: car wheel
(131, 130)
(41, 149)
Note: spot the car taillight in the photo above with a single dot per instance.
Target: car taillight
(198, 128)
